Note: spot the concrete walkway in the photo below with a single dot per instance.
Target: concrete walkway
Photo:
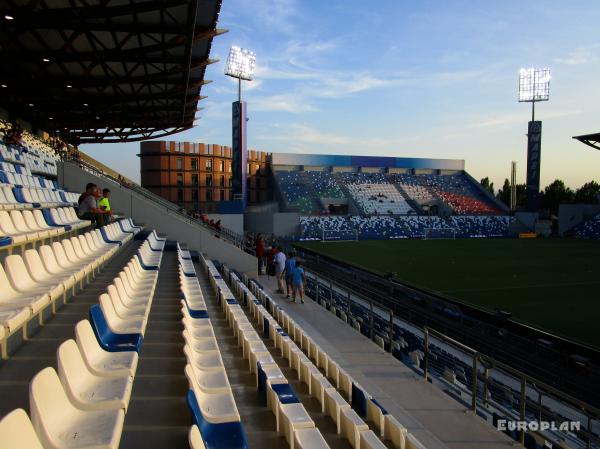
(437, 420)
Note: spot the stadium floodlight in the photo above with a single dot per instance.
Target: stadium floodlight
(240, 64)
(534, 85)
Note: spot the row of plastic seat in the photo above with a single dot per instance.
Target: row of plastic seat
(30, 225)
(292, 419)
(299, 348)
(9, 167)
(33, 198)
(215, 417)
(25, 178)
(84, 404)
(42, 197)
(35, 280)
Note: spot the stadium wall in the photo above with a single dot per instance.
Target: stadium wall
(278, 223)
(570, 215)
(152, 214)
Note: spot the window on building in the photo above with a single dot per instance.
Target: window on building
(257, 168)
(223, 198)
(209, 195)
(195, 196)
(221, 166)
(179, 179)
(230, 181)
(229, 167)
(194, 179)
(208, 164)
(195, 163)
(179, 163)
(180, 196)
(208, 180)
(222, 181)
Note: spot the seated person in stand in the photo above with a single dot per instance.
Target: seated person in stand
(88, 208)
(104, 204)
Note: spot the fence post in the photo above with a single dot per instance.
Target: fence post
(330, 295)
(391, 330)
(371, 319)
(589, 431)
(523, 405)
(349, 314)
(474, 392)
(486, 374)
(426, 353)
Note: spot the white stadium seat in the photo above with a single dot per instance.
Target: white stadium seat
(100, 362)
(17, 432)
(61, 425)
(86, 390)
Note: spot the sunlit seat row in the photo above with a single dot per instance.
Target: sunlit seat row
(83, 404)
(215, 417)
(292, 419)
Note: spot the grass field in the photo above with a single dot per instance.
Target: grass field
(550, 284)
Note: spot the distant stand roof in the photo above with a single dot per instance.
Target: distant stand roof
(593, 140)
(106, 70)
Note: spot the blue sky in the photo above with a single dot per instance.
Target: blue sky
(428, 78)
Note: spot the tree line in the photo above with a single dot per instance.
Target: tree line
(551, 196)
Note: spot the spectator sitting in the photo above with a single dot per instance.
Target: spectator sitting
(90, 186)
(104, 204)
(88, 208)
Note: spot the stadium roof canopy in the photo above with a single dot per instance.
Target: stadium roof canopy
(106, 70)
(593, 140)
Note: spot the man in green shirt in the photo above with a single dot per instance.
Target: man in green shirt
(104, 204)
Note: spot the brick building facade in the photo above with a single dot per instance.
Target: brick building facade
(197, 176)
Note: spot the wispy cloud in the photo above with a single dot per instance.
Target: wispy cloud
(579, 56)
(514, 118)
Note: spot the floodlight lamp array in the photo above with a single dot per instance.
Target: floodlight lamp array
(241, 63)
(534, 85)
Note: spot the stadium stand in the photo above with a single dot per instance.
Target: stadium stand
(323, 183)
(589, 229)
(374, 194)
(455, 190)
(295, 193)
(381, 228)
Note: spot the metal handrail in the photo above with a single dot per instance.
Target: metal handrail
(477, 359)
(226, 234)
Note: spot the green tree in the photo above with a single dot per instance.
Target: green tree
(486, 184)
(504, 193)
(588, 193)
(554, 194)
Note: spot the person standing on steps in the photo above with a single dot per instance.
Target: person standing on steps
(290, 265)
(298, 282)
(279, 268)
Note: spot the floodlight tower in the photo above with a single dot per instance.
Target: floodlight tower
(534, 86)
(240, 64)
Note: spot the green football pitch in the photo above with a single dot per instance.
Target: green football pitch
(551, 284)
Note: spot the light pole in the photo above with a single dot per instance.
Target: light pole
(534, 86)
(240, 64)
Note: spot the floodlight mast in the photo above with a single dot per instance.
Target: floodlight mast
(534, 86)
